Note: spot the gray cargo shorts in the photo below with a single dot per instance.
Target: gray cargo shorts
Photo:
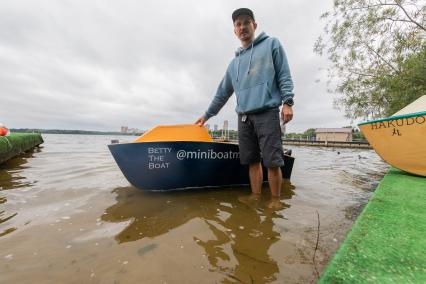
(259, 137)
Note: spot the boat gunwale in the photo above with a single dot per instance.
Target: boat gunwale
(171, 141)
(394, 117)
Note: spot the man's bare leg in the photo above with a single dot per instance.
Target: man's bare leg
(256, 181)
(256, 178)
(275, 180)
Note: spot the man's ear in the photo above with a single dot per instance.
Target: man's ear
(255, 25)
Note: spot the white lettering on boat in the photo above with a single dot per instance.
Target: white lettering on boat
(159, 158)
(159, 150)
(209, 154)
(154, 166)
(156, 159)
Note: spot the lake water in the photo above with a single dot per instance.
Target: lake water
(68, 215)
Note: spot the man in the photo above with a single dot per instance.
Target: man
(260, 77)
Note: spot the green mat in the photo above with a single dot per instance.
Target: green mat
(387, 244)
(17, 143)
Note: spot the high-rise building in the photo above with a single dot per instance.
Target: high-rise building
(215, 128)
(124, 129)
(207, 126)
(225, 132)
(225, 125)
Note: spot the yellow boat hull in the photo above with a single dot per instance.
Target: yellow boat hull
(399, 140)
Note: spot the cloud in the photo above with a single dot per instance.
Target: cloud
(97, 65)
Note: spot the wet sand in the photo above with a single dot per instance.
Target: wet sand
(68, 215)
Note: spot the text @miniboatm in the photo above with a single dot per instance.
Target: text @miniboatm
(157, 157)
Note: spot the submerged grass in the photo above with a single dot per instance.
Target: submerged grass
(387, 244)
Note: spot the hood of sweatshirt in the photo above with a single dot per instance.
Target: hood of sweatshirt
(261, 37)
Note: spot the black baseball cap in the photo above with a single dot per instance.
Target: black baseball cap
(242, 11)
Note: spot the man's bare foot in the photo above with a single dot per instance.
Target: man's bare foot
(276, 204)
(251, 200)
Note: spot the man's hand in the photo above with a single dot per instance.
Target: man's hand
(200, 121)
(286, 113)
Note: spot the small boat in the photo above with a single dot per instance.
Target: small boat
(183, 156)
(400, 139)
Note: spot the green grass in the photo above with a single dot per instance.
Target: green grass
(17, 143)
(387, 244)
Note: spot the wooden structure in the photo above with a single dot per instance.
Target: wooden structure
(334, 134)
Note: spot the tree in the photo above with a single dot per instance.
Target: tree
(309, 133)
(406, 86)
(377, 52)
(357, 135)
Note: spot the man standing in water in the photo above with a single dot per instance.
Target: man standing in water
(260, 77)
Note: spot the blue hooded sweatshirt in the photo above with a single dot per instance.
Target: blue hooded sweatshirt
(259, 75)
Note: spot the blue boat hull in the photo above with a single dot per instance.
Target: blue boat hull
(179, 165)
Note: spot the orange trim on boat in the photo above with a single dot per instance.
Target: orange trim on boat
(178, 132)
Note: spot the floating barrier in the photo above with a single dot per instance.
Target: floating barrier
(17, 143)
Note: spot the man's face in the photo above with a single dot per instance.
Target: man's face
(244, 28)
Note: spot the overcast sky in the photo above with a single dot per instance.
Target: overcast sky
(98, 65)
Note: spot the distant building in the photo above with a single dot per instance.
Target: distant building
(207, 126)
(215, 128)
(225, 134)
(225, 125)
(334, 134)
(134, 130)
(126, 129)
